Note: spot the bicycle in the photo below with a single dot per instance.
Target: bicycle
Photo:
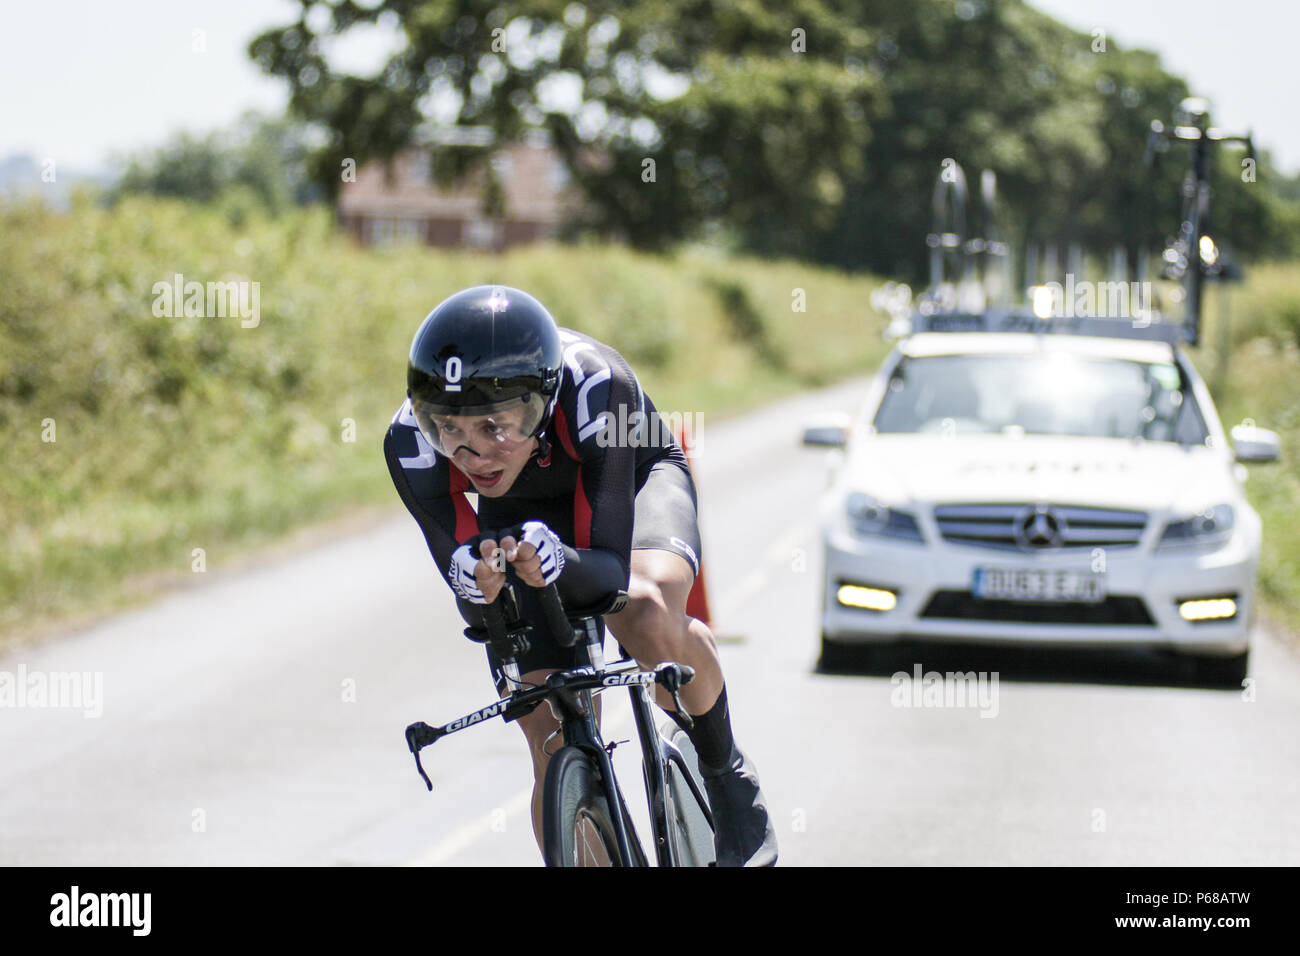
(1192, 256)
(585, 817)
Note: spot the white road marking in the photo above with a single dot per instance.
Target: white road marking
(470, 833)
(785, 545)
(778, 553)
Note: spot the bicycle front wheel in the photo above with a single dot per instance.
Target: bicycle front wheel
(577, 825)
(688, 825)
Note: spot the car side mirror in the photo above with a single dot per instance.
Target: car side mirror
(1252, 444)
(829, 432)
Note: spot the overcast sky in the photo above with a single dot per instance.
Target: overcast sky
(82, 79)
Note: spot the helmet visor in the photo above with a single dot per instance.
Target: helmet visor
(483, 431)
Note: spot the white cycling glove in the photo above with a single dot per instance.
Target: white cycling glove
(461, 575)
(549, 548)
(550, 554)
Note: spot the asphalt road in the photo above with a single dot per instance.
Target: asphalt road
(257, 719)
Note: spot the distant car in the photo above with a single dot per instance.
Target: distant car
(1041, 486)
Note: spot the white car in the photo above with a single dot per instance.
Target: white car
(1046, 486)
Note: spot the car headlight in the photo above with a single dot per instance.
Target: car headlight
(867, 516)
(1211, 526)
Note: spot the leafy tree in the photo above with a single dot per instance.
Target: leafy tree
(1062, 120)
(814, 129)
(685, 110)
(263, 156)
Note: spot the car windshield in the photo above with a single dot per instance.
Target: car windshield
(1041, 394)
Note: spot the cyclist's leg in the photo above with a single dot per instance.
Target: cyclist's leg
(654, 626)
(658, 629)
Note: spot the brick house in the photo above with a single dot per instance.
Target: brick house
(412, 207)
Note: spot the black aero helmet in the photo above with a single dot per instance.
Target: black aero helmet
(483, 351)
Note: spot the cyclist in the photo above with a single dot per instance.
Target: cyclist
(503, 403)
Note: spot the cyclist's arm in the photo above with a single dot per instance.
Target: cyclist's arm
(598, 561)
(434, 493)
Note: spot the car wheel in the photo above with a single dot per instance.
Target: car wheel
(1226, 672)
(835, 656)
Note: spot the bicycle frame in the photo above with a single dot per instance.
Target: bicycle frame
(570, 695)
(578, 726)
(658, 796)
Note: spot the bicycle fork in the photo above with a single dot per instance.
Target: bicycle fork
(578, 726)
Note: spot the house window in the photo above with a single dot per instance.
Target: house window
(387, 232)
(483, 233)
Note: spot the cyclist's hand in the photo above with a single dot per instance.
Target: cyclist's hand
(475, 579)
(538, 556)
(489, 579)
(523, 557)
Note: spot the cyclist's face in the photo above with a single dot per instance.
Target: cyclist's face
(490, 449)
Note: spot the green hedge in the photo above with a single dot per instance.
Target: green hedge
(172, 434)
(1261, 381)
(179, 433)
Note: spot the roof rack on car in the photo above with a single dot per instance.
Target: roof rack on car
(1151, 327)
(966, 295)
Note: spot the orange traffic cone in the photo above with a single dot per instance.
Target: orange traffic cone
(697, 602)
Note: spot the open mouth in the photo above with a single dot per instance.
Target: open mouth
(488, 480)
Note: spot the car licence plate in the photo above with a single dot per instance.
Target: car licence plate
(1039, 584)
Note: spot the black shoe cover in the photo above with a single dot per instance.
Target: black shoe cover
(743, 832)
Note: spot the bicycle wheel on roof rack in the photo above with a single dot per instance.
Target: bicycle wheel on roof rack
(577, 823)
